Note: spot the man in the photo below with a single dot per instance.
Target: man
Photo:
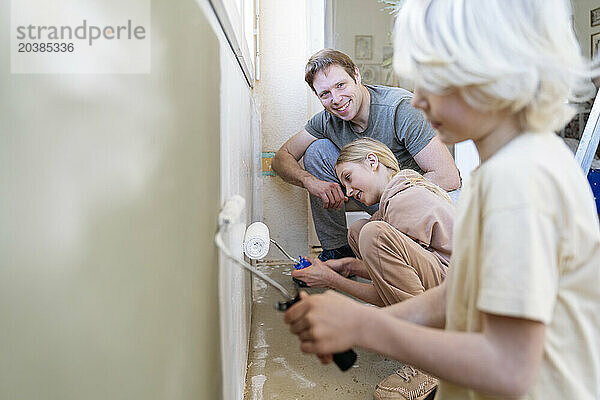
(353, 110)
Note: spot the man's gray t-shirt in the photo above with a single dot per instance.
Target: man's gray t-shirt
(392, 120)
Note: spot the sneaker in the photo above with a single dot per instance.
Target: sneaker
(340, 252)
(408, 383)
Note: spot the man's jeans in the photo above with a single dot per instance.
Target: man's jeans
(330, 224)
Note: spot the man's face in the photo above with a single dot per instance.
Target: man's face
(338, 92)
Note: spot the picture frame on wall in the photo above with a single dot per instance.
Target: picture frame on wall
(363, 47)
(595, 17)
(370, 73)
(595, 45)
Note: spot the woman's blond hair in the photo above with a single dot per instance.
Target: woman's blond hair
(358, 150)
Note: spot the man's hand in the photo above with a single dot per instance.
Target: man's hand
(285, 163)
(318, 275)
(329, 192)
(325, 323)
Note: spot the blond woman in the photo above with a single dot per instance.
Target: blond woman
(405, 247)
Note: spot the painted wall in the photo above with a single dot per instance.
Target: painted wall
(583, 30)
(240, 148)
(360, 17)
(108, 201)
(283, 97)
(351, 18)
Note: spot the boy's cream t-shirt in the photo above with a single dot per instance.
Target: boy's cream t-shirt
(527, 245)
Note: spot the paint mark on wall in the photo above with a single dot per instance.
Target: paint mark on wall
(267, 159)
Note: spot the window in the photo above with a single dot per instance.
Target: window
(237, 19)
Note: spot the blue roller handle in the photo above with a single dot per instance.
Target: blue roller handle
(301, 264)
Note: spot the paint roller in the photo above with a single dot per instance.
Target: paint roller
(229, 214)
(256, 242)
(256, 246)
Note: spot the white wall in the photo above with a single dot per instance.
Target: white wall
(362, 17)
(239, 175)
(237, 172)
(365, 17)
(108, 203)
(583, 30)
(283, 97)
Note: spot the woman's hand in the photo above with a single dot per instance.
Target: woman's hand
(341, 265)
(318, 275)
(326, 323)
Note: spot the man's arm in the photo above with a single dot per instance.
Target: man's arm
(285, 163)
(438, 165)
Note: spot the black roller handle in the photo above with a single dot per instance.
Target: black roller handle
(300, 283)
(343, 360)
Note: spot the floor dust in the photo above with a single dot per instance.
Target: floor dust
(277, 369)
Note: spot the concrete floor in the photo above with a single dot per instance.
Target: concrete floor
(277, 369)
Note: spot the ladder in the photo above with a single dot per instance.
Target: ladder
(590, 138)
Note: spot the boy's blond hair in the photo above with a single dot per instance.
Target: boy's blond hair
(532, 70)
(358, 150)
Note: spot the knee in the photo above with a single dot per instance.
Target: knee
(368, 238)
(355, 229)
(354, 234)
(318, 153)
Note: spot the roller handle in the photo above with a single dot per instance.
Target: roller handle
(301, 264)
(343, 360)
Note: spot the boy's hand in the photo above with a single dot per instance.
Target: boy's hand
(318, 275)
(325, 323)
(325, 359)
